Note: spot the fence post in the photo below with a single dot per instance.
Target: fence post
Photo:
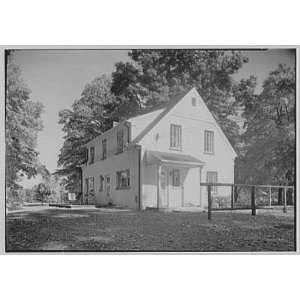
(232, 195)
(279, 196)
(284, 199)
(209, 201)
(270, 196)
(235, 194)
(253, 201)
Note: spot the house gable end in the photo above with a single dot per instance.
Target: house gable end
(184, 107)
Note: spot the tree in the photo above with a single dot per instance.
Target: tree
(84, 121)
(155, 76)
(23, 122)
(42, 191)
(268, 154)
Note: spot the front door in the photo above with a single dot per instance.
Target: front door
(174, 188)
(107, 188)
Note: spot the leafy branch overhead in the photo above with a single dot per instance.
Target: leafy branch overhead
(154, 76)
(268, 151)
(86, 119)
(23, 122)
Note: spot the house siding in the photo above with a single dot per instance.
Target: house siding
(194, 120)
(126, 197)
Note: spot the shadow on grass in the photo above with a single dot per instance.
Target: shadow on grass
(125, 230)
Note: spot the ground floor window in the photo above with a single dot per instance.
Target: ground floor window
(101, 183)
(212, 177)
(86, 185)
(123, 179)
(91, 184)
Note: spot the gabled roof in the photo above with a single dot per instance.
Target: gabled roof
(167, 107)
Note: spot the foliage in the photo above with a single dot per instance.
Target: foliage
(23, 121)
(155, 76)
(42, 191)
(268, 154)
(85, 120)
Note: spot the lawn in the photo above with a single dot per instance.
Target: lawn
(123, 230)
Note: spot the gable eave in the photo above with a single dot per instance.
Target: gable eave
(160, 116)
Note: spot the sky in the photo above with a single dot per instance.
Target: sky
(57, 77)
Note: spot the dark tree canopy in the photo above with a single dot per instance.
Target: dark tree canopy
(155, 76)
(23, 121)
(268, 152)
(85, 120)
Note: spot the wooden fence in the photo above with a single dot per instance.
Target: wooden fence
(282, 190)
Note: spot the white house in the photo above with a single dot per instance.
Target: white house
(159, 158)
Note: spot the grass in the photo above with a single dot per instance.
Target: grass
(57, 229)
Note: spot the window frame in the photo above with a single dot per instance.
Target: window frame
(175, 141)
(209, 142)
(92, 155)
(91, 184)
(174, 177)
(104, 153)
(120, 146)
(101, 183)
(119, 185)
(214, 188)
(194, 101)
(86, 186)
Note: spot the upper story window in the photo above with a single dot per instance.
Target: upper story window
(212, 177)
(194, 101)
(123, 179)
(104, 149)
(175, 137)
(120, 141)
(92, 155)
(209, 141)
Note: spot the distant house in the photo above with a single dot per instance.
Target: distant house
(159, 158)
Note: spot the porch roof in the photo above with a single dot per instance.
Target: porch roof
(174, 158)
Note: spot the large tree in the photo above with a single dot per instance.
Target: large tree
(155, 76)
(85, 120)
(268, 149)
(23, 122)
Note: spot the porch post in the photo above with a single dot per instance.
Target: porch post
(200, 168)
(158, 182)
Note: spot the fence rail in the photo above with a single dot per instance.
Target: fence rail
(282, 196)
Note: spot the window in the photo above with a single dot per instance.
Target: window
(104, 149)
(208, 141)
(123, 179)
(86, 185)
(101, 183)
(175, 136)
(86, 155)
(176, 177)
(92, 155)
(91, 184)
(120, 141)
(212, 177)
(194, 101)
